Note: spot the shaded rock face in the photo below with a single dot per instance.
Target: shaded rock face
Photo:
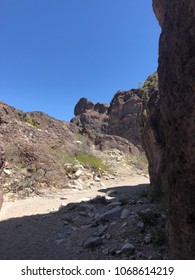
(177, 108)
(2, 161)
(159, 7)
(152, 133)
(120, 122)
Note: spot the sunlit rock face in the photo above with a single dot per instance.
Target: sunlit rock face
(177, 107)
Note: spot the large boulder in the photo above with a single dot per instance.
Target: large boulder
(177, 108)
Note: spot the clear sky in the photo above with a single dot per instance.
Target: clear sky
(53, 52)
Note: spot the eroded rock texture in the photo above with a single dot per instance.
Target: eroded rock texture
(177, 107)
(152, 133)
(2, 160)
(120, 122)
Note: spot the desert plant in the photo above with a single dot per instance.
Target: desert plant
(91, 161)
(29, 120)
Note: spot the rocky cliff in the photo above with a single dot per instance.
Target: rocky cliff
(152, 133)
(2, 161)
(177, 108)
(117, 123)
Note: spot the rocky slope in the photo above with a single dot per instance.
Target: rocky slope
(42, 152)
(177, 109)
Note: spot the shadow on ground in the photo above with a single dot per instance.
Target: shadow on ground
(56, 235)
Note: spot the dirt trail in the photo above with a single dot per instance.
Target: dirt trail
(52, 200)
(69, 225)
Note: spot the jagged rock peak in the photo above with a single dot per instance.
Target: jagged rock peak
(84, 105)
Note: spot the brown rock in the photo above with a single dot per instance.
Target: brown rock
(2, 161)
(82, 106)
(177, 107)
(152, 134)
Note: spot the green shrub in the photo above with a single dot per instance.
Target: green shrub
(92, 162)
(29, 120)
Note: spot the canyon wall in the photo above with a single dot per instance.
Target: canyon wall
(176, 73)
(2, 160)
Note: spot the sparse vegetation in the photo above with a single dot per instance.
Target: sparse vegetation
(150, 85)
(29, 120)
(91, 161)
(80, 137)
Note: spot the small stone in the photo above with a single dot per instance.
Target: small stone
(93, 242)
(111, 192)
(113, 204)
(97, 179)
(108, 236)
(86, 206)
(101, 229)
(105, 251)
(78, 173)
(140, 226)
(147, 239)
(128, 248)
(113, 224)
(124, 225)
(125, 214)
(111, 214)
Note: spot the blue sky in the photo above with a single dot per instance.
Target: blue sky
(53, 52)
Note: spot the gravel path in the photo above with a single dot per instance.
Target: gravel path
(65, 224)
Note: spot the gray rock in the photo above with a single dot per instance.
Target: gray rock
(111, 192)
(113, 204)
(85, 207)
(147, 239)
(111, 214)
(101, 229)
(93, 242)
(140, 226)
(125, 214)
(128, 248)
(105, 251)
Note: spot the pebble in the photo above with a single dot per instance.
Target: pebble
(105, 251)
(147, 239)
(111, 214)
(128, 248)
(93, 242)
(125, 214)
